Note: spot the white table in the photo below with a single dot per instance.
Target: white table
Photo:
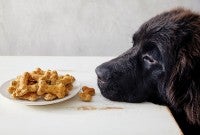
(74, 117)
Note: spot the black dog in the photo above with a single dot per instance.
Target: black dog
(162, 67)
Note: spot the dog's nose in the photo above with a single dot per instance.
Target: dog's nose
(103, 73)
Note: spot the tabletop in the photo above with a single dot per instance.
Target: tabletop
(98, 117)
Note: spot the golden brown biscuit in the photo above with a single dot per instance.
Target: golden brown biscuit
(67, 79)
(22, 89)
(86, 94)
(38, 71)
(85, 97)
(59, 89)
(88, 90)
(49, 97)
(11, 89)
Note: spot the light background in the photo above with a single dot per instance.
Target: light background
(76, 27)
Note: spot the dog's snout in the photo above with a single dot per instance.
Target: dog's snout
(103, 73)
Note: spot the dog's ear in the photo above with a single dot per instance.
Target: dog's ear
(183, 90)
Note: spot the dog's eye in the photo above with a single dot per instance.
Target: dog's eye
(149, 59)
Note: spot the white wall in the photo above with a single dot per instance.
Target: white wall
(76, 27)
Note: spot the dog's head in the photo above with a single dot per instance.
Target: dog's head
(163, 65)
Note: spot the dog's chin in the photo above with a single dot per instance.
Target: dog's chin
(108, 91)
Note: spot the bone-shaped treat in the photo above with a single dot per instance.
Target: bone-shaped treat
(59, 89)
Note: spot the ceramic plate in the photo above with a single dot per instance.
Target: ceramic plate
(4, 92)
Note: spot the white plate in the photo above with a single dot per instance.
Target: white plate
(4, 92)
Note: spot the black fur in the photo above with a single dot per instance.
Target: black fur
(162, 67)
